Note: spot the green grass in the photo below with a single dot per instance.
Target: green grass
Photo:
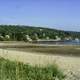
(18, 71)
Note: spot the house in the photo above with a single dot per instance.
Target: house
(28, 38)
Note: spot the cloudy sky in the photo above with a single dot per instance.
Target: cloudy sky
(60, 14)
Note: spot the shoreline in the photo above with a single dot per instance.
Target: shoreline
(13, 44)
(64, 62)
(70, 65)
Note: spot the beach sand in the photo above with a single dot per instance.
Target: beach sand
(65, 62)
(69, 64)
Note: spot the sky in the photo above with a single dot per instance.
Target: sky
(58, 14)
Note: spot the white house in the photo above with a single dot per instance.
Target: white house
(7, 36)
(28, 38)
(77, 39)
(58, 38)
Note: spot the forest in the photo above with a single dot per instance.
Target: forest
(22, 33)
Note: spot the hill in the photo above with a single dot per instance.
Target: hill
(21, 32)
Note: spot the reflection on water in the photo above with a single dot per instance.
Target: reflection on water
(69, 42)
(73, 42)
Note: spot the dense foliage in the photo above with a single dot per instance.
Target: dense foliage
(17, 32)
(19, 71)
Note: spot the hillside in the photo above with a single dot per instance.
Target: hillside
(19, 33)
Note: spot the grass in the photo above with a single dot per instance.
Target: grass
(12, 70)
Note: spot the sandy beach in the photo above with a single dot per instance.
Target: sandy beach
(69, 64)
(65, 62)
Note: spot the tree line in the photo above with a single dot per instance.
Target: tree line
(21, 33)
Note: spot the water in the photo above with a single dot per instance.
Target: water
(69, 42)
(72, 42)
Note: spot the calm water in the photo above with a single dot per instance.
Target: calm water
(70, 42)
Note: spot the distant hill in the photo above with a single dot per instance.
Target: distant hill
(18, 32)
